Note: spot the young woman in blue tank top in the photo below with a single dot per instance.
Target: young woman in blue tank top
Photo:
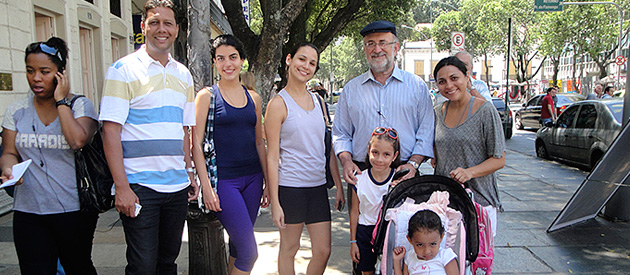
(240, 153)
(295, 127)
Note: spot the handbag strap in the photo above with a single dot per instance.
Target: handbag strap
(325, 113)
(74, 98)
(211, 164)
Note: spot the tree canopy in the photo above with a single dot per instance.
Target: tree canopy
(285, 23)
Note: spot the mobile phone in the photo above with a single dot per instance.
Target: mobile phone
(340, 206)
(400, 173)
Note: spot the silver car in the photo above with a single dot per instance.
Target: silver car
(582, 133)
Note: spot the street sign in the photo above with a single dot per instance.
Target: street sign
(620, 60)
(547, 5)
(457, 41)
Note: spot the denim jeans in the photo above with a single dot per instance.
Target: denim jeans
(154, 237)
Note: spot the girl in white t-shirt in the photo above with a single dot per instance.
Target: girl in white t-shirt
(425, 235)
(367, 197)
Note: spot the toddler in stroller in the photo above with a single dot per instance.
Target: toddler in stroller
(442, 195)
(425, 235)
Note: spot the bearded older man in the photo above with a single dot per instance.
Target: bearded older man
(384, 96)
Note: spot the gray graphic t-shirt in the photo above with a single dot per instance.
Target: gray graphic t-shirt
(50, 182)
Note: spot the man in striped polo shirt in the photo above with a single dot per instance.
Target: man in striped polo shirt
(146, 109)
(384, 96)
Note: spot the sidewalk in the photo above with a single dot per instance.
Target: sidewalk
(532, 192)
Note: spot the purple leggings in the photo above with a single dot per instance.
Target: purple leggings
(240, 198)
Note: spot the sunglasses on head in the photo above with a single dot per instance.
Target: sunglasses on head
(50, 50)
(382, 130)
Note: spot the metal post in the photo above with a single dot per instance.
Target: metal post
(206, 243)
(507, 73)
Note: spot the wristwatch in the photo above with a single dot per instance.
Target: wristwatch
(190, 170)
(63, 102)
(414, 164)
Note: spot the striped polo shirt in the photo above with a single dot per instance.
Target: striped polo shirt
(152, 103)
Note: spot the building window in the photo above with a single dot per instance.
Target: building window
(114, 7)
(419, 68)
(86, 43)
(90, 1)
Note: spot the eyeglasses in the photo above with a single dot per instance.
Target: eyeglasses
(371, 44)
(50, 50)
(382, 130)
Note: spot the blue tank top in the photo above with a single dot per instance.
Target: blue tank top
(235, 138)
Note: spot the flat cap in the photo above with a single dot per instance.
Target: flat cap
(379, 26)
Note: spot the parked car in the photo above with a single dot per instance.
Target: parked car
(529, 115)
(505, 113)
(582, 133)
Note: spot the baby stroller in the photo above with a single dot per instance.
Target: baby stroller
(444, 196)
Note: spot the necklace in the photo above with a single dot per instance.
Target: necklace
(233, 103)
(462, 115)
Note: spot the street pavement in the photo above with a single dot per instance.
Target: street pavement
(533, 191)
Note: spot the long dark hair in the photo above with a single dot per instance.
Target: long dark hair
(228, 40)
(451, 60)
(306, 44)
(55, 48)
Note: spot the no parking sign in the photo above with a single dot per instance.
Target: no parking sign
(457, 41)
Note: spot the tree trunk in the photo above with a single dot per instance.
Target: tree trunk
(181, 43)
(200, 64)
(264, 51)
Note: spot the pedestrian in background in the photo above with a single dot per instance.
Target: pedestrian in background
(608, 92)
(596, 94)
(548, 111)
(469, 141)
(46, 127)
(476, 87)
(240, 152)
(295, 128)
(146, 110)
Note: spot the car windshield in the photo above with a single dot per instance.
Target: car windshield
(567, 99)
(499, 104)
(616, 108)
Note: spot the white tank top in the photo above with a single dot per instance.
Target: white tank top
(302, 159)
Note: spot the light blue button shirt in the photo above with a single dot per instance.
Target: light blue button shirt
(482, 88)
(403, 103)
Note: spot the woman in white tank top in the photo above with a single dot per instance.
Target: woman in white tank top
(295, 127)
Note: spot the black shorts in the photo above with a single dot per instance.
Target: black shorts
(304, 204)
(367, 261)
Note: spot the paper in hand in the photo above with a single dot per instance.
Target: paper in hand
(17, 172)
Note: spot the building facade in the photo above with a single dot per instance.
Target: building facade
(97, 33)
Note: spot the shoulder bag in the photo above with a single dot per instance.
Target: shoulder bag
(208, 142)
(94, 180)
(327, 142)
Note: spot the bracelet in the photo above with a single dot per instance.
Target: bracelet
(190, 170)
(353, 241)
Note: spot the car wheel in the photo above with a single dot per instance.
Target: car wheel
(541, 150)
(508, 135)
(518, 123)
(595, 158)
